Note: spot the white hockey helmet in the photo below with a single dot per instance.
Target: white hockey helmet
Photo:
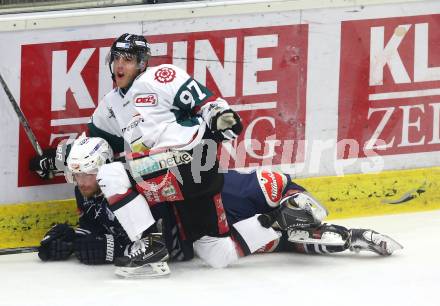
(88, 154)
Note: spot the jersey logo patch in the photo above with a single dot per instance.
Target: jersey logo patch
(165, 75)
(145, 100)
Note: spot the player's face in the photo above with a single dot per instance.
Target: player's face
(87, 184)
(125, 68)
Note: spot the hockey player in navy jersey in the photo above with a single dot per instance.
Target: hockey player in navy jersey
(100, 238)
(262, 191)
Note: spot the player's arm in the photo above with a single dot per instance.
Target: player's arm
(58, 242)
(196, 99)
(224, 123)
(102, 124)
(89, 247)
(94, 242)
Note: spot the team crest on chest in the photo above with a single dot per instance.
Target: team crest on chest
(165, 75)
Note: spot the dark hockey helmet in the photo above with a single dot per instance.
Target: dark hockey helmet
(128, 45)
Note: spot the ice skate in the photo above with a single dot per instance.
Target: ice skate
(143, 258)
(369, 240)
(326, 235)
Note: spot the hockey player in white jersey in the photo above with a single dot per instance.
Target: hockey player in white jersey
(167, 112)
(171, 125)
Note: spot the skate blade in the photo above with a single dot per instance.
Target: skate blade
(150, 270)
(317, 241)
(391, 244)
(327, 239)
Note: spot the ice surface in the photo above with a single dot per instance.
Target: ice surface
(409, 277)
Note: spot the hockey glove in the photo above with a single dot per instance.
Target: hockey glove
(226, 125)
(57, 244)
(294, 214)
(95, 249)
(44, 165)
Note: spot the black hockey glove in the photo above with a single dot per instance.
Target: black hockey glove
(57, 244)
(285, 218)
(44, 165)
(226, 125)
(97, 249)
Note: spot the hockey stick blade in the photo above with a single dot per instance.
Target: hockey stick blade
(11, 251)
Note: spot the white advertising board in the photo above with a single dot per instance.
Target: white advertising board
(321, 92)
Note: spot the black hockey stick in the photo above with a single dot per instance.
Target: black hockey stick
(30, 134)
(22, 118)
(18, 250)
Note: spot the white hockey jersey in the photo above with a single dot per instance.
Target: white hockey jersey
(158, 111)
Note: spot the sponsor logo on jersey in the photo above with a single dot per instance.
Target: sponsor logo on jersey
(165, 75)
(132, 124)
(84, 141)
(159, 189)
(157, 162)
(145, 100)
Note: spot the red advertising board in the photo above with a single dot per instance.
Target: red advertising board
(389, 92)
(260, 71)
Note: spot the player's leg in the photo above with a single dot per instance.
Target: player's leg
(202, 217)
(145, 257)
(287, 206)
(330, 238)
(272, 194)
(203, 221)
(179, 249)
(296, 210)
(133, 213)
(369, 240)
(260, 191)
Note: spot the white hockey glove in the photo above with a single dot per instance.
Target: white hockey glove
(225, 124)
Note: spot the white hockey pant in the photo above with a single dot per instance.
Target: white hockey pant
(221, 252)
(130, 208)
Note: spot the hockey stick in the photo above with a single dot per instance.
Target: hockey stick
(18, 250)
(23, 121)
(22, 118)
